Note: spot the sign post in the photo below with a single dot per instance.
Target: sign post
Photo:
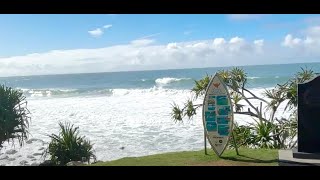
(217, 115)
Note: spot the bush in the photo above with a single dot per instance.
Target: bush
(267, 131)
(69, 146)
(14, 119)
(243, 135)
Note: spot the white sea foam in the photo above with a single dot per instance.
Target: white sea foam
(111, 92)
(138, 120)
(168, 80)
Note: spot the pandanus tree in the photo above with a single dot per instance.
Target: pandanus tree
(68, 145)
(14, 116)
(266, 130)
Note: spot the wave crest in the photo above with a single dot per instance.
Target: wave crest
(169, 80)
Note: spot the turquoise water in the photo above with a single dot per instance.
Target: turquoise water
(261, 76)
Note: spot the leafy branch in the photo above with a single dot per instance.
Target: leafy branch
(268, 131)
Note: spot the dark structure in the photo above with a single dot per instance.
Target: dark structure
(308, 120)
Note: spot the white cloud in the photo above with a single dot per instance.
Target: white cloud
(200, 45)
(313, 31)
(172, 46)
(311, 39)
(291, 42)
(307, 45)
(96, 32)
(219, 41)
(236, 40)
(259, 45)
(139, 54)
(219, 44)
(237, 44)
(142, 42)
(143, 54)
(242, 17)
(107, 26)
(99, 32)
(259, 42)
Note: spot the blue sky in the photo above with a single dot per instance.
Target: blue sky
(22, 35)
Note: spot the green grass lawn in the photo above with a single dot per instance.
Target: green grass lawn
(247, 157)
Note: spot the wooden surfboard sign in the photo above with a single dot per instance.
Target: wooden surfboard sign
(217, 114)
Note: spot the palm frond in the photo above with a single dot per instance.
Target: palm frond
(176, 113)
(201, 86)
(190, 110)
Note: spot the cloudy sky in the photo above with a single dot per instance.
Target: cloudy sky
(55, 44)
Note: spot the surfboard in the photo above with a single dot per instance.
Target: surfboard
(217, 114)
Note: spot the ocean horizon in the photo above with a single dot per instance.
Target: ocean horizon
(168, 69)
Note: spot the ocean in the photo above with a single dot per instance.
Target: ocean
(124, 109)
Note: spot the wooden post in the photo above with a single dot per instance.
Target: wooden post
(205, 143)
(235, 143)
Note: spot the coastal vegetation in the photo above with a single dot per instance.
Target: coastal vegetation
(69, 146)
(14, 116)
(267, 130)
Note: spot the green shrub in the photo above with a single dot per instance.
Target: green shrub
(267, 131)
(243, 135)
(68, 146)
(14, 116)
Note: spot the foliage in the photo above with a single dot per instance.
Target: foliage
(198, 89)
(188, 110)
(263, 134)
(68, 146)
(267, 131)
(243, 135)
(14, 116)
